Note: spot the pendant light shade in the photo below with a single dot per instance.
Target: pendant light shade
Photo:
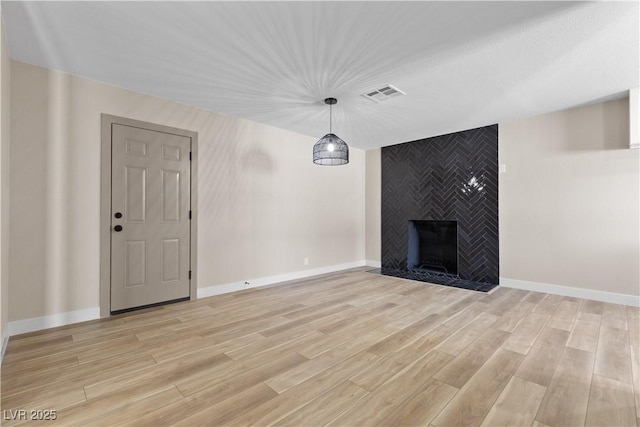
(330, 150)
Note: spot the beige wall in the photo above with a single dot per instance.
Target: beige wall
(569, 200)
(373, 211)
(263, 204)
(5, 96)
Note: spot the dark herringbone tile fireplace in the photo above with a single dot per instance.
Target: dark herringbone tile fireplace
(451, 177)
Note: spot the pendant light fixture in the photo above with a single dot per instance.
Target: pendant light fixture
(330, 150)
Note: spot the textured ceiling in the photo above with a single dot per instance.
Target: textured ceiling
(461, 64)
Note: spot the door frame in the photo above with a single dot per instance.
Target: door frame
(107, 122)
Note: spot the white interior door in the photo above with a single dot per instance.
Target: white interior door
(150, 218)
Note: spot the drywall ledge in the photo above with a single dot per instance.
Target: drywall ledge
(568, 291)
(5, 341)
(634, 118)
(271, 280)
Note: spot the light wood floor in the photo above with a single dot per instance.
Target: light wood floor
(346, 349)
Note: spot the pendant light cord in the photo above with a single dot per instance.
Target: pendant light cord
(330, 116)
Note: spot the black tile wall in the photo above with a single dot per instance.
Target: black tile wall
(447, 177)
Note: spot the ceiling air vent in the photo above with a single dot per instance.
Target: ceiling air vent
(383, 94)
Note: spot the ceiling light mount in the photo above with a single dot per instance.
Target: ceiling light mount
(330, 150)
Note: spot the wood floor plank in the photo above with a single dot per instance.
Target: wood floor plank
(525, 335)
(60, 394)
(169, 414)
(464, 316)
(162, 375)
(327, 343)
(584, 335)
(132, 328)
(583, 315)
(552, 337)
(613, 357)
(421, 407)
(406, 336)
(611, 403)
(326, 407)
(79, 350)
(461, 339)
(408, 315)
(79, 374)
(81, 414)
(239, 379)
(324, 361)
(465, 365)
(565, 315)
(291, 346)
(375, 406)
(263, 344)
(19, 372)
(378, 307)
(44, 342)
(391, 365)
(566, 399)
(614, 316)
(59, 399)
(225, 332)
(517, 405)
(534, 297)
(218, 414)
(131, 410)
(593, 307)
(548, 305)
(633, 322)
(510, 319)
(458, 305)
(294, 398)
(540, 364)
(346, 348)
(472, 403)
(511, 298)
(197, 344)
(93, 325)
(316, 311)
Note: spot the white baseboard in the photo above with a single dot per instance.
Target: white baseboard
(568, 291)
(38, 323)
(374, 264)
(60, 319)
(270, 280)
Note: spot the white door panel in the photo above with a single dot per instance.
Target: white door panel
(151, 188)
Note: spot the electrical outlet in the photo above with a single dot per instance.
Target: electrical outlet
(502, 168)
(306, 261)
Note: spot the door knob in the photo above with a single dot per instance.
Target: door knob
(118, 215)
(117, 228)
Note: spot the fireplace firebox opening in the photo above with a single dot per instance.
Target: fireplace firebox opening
(433, 246)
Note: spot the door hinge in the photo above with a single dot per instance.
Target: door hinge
(190, 156)
(189, 214)
(189, 274)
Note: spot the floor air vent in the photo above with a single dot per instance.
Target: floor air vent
(383, 94)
